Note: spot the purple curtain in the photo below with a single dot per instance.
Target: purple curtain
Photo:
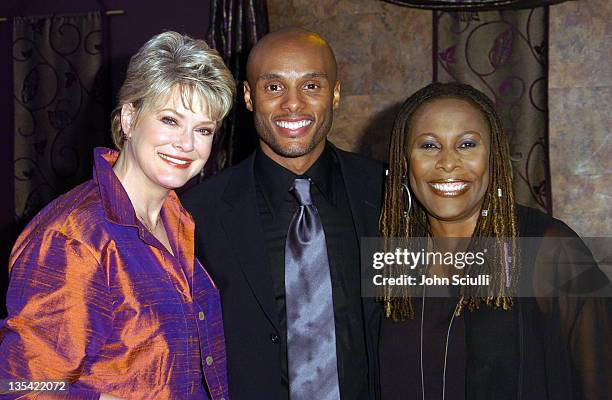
(474, 5)
(236, 25)
(505, 55)
(501, 48)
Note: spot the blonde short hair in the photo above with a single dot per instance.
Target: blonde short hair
(170, 61)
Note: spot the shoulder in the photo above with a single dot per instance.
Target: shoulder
(211, 190)
(353, 162)
(72, 213)
(560, 259)
(355, 159)
(71, 220)
(535, 223)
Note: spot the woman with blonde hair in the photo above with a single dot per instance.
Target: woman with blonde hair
(105, 293)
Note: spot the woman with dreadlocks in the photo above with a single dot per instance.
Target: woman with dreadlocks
(450, 177)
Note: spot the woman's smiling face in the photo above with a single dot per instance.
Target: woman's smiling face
(449, 146)
(170, 144)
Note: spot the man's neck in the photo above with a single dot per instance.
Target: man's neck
(297, 165)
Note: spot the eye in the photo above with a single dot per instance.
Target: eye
(429, 146)
(274, 87)
(311, 86)
(468, 144)
(169, 121)
(205, 131)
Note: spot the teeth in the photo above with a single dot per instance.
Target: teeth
(293, 125)
(172, 159)
(450, 186)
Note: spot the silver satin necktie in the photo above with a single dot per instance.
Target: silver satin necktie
(311, 333)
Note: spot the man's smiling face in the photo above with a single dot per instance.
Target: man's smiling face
(292, 90)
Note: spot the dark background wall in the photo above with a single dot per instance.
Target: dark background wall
(382, 59)
(141, 20)
(127, 32)
(384, 54)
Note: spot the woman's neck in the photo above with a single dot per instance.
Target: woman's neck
(463, 228)
(146, 198)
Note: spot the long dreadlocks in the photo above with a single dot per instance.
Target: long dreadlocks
(500, 224)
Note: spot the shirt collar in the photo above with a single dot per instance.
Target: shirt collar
(115, 200)
(275, 180)
(119, 209)
(322, 174)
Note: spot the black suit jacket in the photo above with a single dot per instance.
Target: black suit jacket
(230, 243)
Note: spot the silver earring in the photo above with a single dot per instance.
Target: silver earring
(409, 203)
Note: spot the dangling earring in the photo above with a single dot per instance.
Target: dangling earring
(406, 189)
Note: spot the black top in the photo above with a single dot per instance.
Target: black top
(229, 240)
(401, 355)
(276, 207)
(545, 348)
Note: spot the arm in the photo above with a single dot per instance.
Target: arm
(59, 312)
(590, 349)
(585, 310)
(587, 323)
(105, 396)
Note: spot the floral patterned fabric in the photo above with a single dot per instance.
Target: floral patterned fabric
(505, 55)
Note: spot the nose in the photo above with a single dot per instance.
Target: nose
(184, 141)
(449, 160)
(293, 101)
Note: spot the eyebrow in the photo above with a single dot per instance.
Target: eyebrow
(173, 111)
(464, 133)
(271, 76)
(471, 133)
(206, 122)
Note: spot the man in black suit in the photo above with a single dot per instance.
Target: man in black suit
(243, 214)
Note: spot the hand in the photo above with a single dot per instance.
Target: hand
(106, 396)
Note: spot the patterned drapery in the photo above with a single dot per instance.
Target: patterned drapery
(235, 27)
(505, 55)
(60, 97)
(474, 5)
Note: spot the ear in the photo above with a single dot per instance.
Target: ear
(247, 96)
(127, 117)
(336, 101)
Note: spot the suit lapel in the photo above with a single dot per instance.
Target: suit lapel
(242, 225)
(364, 199)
